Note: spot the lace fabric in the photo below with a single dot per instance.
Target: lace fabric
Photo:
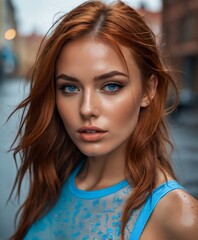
(95, 215)
(79, 214)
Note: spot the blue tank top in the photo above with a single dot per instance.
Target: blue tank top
(95, 215)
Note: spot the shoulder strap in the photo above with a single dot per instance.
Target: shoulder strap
(149, 206)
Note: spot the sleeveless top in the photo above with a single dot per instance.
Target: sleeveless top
(95, 215)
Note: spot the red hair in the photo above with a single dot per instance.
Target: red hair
(48, 154)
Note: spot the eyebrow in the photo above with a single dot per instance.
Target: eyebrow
(101, 77)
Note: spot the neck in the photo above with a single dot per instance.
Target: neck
(101, 172)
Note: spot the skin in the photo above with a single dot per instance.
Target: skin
(88, 101)
(113, 104)
(174, 218)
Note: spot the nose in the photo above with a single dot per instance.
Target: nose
(89, 105)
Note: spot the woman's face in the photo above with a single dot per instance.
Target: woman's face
(97, 100)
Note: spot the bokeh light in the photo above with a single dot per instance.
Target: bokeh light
(10, 34)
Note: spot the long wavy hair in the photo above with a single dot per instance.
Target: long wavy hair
(47, 153)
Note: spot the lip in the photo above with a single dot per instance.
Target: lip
(91, 133)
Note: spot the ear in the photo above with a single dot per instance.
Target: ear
(150, 91)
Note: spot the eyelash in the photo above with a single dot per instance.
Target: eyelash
(115, 84)
(64, 86)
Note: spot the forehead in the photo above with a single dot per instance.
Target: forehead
(89, 55)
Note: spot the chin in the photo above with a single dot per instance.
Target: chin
(92, 154)
(97, 151)
(94, 151)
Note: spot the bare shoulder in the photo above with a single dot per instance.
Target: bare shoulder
(177, 216)
(174, 218)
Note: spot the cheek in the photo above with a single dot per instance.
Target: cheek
(65, 110)
(128, 116)
(124, 112)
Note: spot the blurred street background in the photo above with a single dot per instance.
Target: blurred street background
(22, 27)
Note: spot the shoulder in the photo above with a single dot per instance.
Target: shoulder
(177, 215)
(174, 217)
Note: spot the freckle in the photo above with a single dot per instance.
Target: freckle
(184, 197)
(195, 209)
(187, 218)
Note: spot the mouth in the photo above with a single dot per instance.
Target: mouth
(91, 133)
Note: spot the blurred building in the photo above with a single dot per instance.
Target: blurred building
(153, 20)
(27, 48)
(8, 39)
(180, 21)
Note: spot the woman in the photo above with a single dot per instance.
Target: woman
(93, 136)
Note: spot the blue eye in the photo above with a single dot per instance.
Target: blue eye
(112, 87)
(69, 88)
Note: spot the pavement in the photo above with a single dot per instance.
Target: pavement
(183, 128)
